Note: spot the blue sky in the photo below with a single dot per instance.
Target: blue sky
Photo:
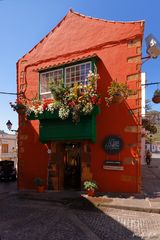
(23, 23)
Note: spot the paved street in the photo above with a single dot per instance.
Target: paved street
(151, 176)
(78, 219)
(22, 219)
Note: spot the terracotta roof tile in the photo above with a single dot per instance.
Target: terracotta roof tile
(67, 61)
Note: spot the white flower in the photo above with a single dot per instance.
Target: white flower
(64, 112)
(50, 107)
(87, 108)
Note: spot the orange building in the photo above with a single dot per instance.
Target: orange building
(104, 146)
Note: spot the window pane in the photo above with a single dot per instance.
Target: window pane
(77, 73)
(45, 78)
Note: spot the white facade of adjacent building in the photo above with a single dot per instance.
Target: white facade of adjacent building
(8, 147)
(143, 81)
(154, 147)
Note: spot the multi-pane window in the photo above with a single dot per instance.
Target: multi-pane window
(45, 78)
(77, 73)
(73, 74)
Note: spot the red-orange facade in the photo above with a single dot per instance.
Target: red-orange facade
(117, 49)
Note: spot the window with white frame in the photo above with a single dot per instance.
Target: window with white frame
(73, 74)
(77, 73)
(45, 78)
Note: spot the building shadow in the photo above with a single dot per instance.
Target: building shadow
(101, 224)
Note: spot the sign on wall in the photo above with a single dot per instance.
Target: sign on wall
(112, 165)
(113, 144)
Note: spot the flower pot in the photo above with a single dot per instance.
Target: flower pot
(40, 189)
(90, 192)
(21, 110)
(156, 99)
(117, 98)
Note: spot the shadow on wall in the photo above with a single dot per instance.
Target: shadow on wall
(121, 120)
(33, 156)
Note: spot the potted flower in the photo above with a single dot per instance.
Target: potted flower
(117, 92)
(39, 183)
(156, 96)
(19, 107)
(90, 187)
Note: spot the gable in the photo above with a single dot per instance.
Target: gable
(77, 33)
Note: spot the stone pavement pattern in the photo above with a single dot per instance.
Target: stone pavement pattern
(35, 220)
(151, 178)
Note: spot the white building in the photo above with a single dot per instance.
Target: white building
(154, 147)
(143, 81)
(8, 147)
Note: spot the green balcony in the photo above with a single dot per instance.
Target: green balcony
(53, 128)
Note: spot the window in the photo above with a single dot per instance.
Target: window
(77, 73)
(4, 148)
(45, 78)
(73, 74)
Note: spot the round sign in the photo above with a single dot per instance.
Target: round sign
(113, 144)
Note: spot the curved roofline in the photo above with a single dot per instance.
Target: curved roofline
(80, 15)
(104, 20)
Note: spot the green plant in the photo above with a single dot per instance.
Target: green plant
(149, 125)
(58, 90)
(157, 92)
(118, 89)
(39, 181)
(90, 185)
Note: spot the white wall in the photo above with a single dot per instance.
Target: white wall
(11, 141)
(143, 81)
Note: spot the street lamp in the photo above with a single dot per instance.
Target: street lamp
(9, 126)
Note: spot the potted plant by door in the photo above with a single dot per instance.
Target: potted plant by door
(117, 92)
(39, 183)
(156, 96)
(90, 187)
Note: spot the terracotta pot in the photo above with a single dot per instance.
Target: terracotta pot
(40, 189)
(91, 192)
(117, 98)
(156, 99)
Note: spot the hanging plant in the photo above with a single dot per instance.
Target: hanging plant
(19, 107)
(117, 92)
(156, 96)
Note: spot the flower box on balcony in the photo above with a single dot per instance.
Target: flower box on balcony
(53, 128)
(44, 115)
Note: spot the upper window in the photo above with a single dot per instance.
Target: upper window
(73, 74)
(77, 73)
(45, 78)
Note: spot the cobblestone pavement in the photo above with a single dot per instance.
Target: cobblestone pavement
(151, 178)
(35, 220)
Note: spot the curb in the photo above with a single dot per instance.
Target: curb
(96, 204)
(133, 208)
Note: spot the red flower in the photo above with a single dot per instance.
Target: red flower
(94, 99)
(45, 105)
(71, 104)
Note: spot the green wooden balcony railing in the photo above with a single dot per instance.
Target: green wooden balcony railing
(53, 128)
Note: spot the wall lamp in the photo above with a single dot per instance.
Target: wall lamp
(9, 126)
